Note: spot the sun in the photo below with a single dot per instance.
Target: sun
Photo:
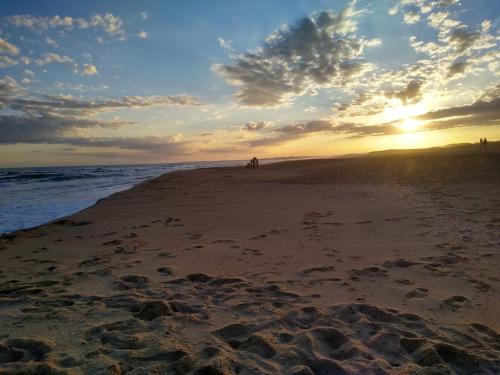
(404, 116)
(409, 124)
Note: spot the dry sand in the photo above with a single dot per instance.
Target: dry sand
(385, 265)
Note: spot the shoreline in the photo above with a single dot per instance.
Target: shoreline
(179, 166)
(340, 265)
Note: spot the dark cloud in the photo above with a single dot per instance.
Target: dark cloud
(490, 94)
(410, 94)
(164, 145)
(320, 51)
(58, 130)
(290, 133)
(457, 68)
(59, 119)
(485, 112)
(252, 125)
(364, 104)
(293, 132)
(45, 128)
(462, 39)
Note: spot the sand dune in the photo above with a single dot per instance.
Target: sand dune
(380, 265)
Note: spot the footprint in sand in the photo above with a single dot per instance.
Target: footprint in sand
(400, 263)
(318, 269)
(479, 285)
(224, 241)
(25, 349)
(454, 303)
(417, 293)
(165, 271)
(372, 271)
(364, 222)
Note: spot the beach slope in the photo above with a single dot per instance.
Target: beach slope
(376, 265)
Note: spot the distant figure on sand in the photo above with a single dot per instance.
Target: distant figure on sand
(483, 142)
(254, 163)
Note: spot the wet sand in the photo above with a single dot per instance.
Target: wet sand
(377, 265)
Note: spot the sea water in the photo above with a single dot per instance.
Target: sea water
(34, 196)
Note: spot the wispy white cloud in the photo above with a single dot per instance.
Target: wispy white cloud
(51, 57)
(226, 44)
(411, 17)
(51, 42)
(88, 70)
(253, 126)
(8, 48)
(78, 87)
(6, 61)
(109, 23)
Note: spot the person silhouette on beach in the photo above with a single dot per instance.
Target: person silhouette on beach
(254, 163)
(484, 143)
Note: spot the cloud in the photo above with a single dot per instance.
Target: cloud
(411, 17)
(109, 23)
(56, 130)
(8, 48)
(46, 118)
(457, 68)
(363, 104)
(51, 57)
(462, 39)
(172, 144)
(318, 51)
(422, 6)
(483, 112)
(226, 44)
(51, 42)
(410, 94)
(142, 34)
(89, 70)
(253, 126)
(29, 77)
(8, 87)
(289, 133)
(6, 61)
(79, 87)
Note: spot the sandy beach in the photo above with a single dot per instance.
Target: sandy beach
(373, 265)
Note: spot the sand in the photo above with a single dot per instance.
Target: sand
(378, 265)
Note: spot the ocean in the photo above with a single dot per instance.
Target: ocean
(33, 196)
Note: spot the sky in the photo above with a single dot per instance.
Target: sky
(128, 81)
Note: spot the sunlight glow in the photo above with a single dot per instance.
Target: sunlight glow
(403, 115)
(410, 125)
